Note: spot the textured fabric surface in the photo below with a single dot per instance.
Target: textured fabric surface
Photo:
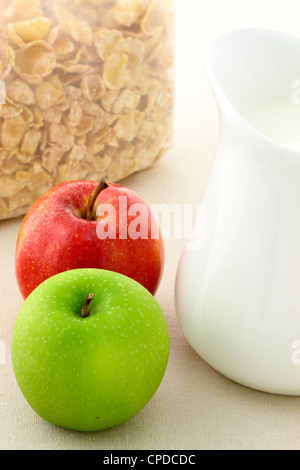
(195, 407)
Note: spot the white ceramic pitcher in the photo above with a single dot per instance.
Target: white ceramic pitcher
(238, 292)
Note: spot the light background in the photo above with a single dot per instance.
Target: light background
(195, 407)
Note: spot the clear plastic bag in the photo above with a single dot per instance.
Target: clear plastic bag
(88, 92)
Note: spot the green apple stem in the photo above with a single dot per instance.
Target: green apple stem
(85, 311)
(90, 209)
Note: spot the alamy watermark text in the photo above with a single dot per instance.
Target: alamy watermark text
(296, 353)
(138, 221)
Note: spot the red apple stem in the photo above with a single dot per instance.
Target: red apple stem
(85, 311)
(90, 209)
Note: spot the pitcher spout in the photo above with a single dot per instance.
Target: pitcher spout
(255, 76)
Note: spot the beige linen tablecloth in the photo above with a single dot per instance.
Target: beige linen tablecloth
(195, 407)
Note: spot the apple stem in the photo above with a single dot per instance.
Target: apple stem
(85, 312)
(90, 209)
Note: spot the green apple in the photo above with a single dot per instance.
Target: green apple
(89, 349)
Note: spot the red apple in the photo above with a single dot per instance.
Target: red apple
(86, 224)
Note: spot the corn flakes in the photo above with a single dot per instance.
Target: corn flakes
(12, 132)
(47, 96)
(109, 41)
(89, 92)
(114, 71)
(92, 87)
(35, 62)
(30, 141)
(127, 12)
(30, 30)
(20, 92)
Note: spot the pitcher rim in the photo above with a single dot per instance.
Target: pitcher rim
(219, 92)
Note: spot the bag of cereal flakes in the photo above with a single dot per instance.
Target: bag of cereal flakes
(86, 92)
